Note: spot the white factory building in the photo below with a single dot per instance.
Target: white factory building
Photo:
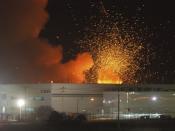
(96, 100)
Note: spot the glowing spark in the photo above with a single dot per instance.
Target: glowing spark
(116, 55)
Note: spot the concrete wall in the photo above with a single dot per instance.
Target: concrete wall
(140, 102)
(34, 95)
(87, 98)
(77, 98)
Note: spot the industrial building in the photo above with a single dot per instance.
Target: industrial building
(98, 101)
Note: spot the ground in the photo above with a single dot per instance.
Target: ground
(129, 125)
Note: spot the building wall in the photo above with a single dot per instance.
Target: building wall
(76, 98)
(87, 98)
(34, 95)
(161, 102)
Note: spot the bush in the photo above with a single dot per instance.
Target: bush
(57, 117)
(80, 117)
(43, 112)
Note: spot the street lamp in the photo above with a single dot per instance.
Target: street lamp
(154, 98)
(92, 99)
(20, 104)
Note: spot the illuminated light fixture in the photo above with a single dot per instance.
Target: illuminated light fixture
(104, 101)
(20, 103)
(3, 109)
(109, 102)
(132, 93)
(92, 99)
(154, 98)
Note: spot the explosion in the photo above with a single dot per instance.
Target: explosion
(116, 56)
(107, 77)
(112, 55)
(27, 58)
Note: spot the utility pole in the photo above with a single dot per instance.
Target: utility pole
(118, 117)
(62, 98)
(77, 105)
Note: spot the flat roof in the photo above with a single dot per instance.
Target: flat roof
(99, 87)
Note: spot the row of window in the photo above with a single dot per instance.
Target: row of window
(3, 96)
(45, 91)
(36, 98)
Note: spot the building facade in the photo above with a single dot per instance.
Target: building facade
(33, 95)
(96, 100)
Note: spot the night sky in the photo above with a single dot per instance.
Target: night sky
(40, 40)
(69, 18)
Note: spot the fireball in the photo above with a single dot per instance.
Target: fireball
(116, 55)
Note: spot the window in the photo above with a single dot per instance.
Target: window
(12, 98)
(38, 98)
(30, 109)
(3, 96)
(45, 91)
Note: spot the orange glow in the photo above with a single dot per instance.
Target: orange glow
(74, 70)
(108, 77)
(117, 53)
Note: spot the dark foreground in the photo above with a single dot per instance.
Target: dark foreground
(129, 125)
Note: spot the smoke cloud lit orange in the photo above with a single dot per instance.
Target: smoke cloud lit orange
(26, 58)
(74, 70)
(108, 77)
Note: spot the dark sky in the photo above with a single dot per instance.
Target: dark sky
(28, 29)
(69, 18)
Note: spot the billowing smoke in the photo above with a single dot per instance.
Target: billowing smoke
(21, 20)
(26, 58)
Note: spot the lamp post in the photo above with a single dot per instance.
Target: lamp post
(154, 98)
(118, 103)
(77, 105)
(20, 104)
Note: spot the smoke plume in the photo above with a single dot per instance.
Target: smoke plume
(26, 58)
